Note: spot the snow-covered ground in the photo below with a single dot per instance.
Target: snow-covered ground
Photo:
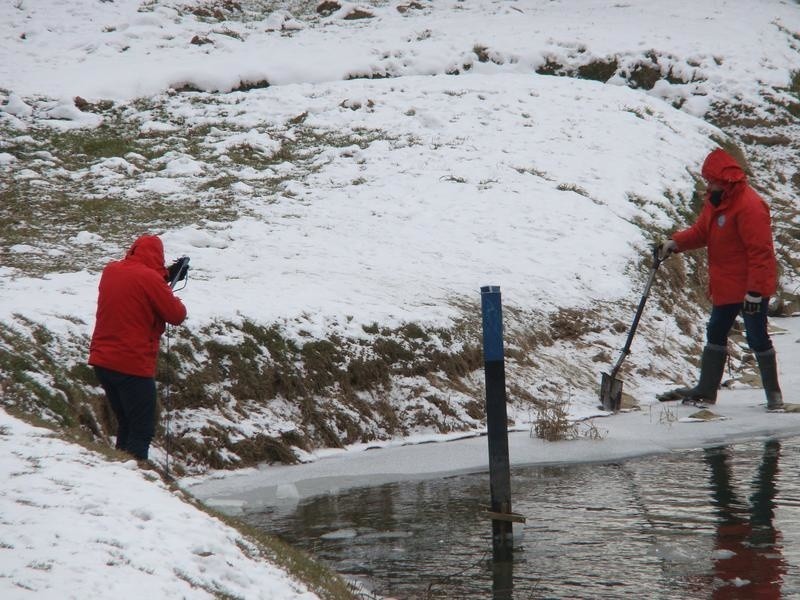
(545, 186)
(130, 49)
(75, 525)
(461, 168)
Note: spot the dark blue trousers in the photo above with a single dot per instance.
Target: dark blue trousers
(133, 401)
(755, 326)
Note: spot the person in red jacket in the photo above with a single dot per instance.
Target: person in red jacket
(134, 304)
(734, 226)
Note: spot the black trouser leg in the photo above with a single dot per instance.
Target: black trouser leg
(107, 380)
(139, 401)
(133, 400)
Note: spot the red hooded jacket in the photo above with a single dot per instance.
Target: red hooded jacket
(737, 234)
(133, 304)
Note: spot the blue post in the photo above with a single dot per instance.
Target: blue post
(496, 422)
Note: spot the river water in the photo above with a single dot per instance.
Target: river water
(718, 523)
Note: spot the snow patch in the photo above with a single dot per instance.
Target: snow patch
(86, 238)
(16, 106)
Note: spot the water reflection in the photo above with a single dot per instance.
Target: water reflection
(502, 579)
(748, 560)
(692, 525)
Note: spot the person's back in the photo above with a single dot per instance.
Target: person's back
(133, 304)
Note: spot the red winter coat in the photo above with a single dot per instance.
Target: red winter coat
(133, 304)
(737, 234)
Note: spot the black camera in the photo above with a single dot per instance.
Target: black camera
(178, 271)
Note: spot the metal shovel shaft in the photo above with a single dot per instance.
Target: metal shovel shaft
(610, 386)
(626, 349)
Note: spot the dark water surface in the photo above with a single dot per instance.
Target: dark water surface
(718, 523)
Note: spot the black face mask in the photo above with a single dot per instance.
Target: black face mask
(715, 197)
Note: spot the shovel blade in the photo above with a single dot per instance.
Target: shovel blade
(610, 393)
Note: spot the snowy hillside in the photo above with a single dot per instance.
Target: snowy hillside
(69, 532)
(345, 185)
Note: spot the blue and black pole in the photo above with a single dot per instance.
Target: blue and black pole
(496, 423)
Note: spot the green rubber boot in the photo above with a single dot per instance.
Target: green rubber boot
(768, 365)
(712, 366)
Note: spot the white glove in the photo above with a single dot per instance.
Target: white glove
(668, 247)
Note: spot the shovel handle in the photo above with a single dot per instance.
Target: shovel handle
(657, 260)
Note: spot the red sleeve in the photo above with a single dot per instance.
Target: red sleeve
(695, 236)
(165, 304)
(756, 234)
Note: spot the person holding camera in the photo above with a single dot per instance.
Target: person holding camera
(734, 226)
(134, 304)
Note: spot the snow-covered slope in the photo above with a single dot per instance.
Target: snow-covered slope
(75, 525)
(343, 187)
(370, 175)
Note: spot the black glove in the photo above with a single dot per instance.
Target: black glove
(178, 270)
(752, 303)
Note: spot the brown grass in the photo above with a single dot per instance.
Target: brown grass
(572, 324)
(598, 70)
(551, 423)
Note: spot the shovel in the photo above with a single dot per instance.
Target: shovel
(610, 386)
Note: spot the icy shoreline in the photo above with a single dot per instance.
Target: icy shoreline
(656, 428)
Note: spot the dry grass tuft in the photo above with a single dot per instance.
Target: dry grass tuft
(551, 423)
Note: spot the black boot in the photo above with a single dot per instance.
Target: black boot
(768, 366)
(712, 366)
